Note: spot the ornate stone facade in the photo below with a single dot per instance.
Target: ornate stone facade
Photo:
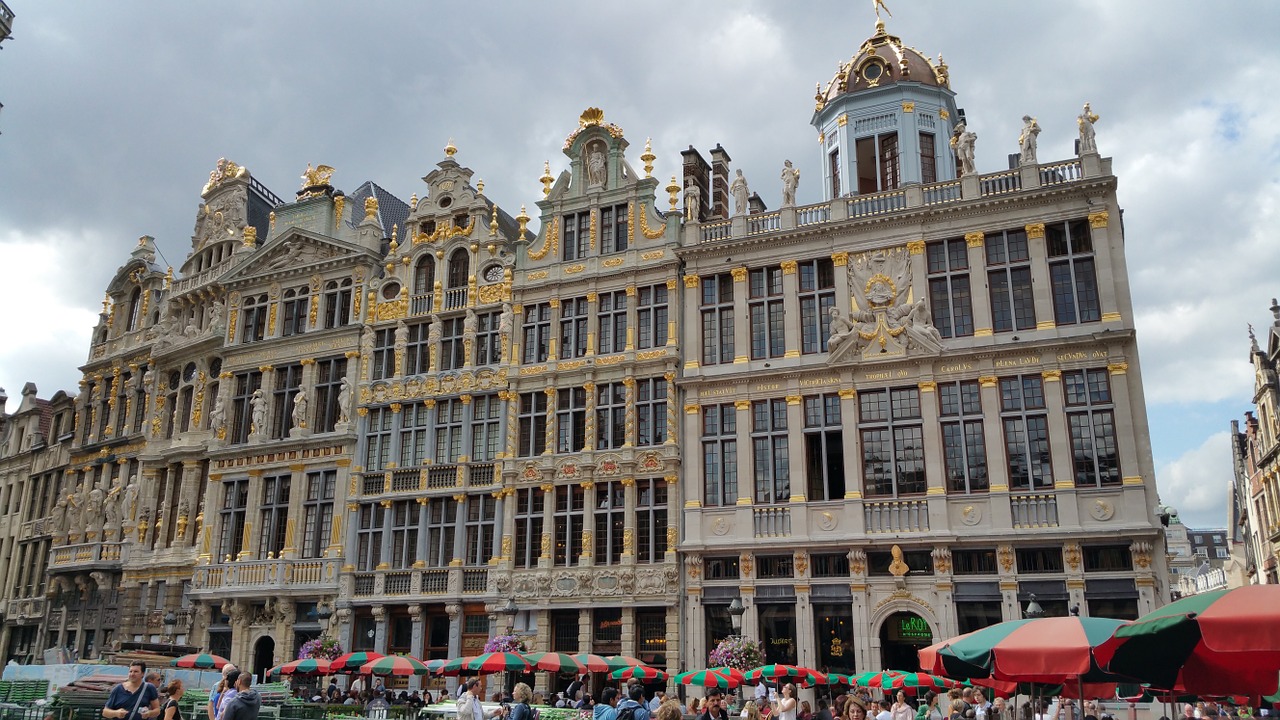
(1255, 511)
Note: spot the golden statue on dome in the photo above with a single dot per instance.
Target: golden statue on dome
(316, 177)
(878, 5)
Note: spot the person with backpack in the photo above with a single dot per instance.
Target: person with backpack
(133, 699)
(521, 695)
(633, 708)
(607, 708)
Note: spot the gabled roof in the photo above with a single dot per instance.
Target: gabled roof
(292, 251)
(391, 209)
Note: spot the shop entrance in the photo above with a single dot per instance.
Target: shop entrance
(901, 636)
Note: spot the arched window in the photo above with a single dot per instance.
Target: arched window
(135, 305)
(459, 268)
(424, 275)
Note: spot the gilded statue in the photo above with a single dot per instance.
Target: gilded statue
(317, 177)
(898, 567)
(692, 201)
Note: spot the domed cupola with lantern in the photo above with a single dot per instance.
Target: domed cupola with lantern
(884, 120)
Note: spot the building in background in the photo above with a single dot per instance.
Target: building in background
(1255, 447)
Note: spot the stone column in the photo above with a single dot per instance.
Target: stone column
(417, 642)
(188, 503)
(934, 464)
(588, 524)
(589, 432)
(806, 636)
(631, 318)
(979, 296)
(251, 546)
(554, 338)
(384, 539)
(1105, 250)
(853, 514)
(421, 550)
(455, 640)
(1042, 288)
(459, 530)
(629, 422)
(297, 496)
(499, 518)
(1060, 447)
(791, 306)
(692, 304)
(550, 439)
(593, 313)
(997, 463)
(584, 630)
(629, 630)
(629, 530)
(746, 463)
(741, 317)
(379, 629)
(795, 439)
(546, 557)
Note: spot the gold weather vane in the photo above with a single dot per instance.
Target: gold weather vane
(877, 5)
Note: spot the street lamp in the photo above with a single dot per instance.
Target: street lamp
(736, 611)
(1033, 609)
(170, 624)
(510, 610)
(323, 613)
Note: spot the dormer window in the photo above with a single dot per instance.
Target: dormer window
(460, 220)
(429, 226)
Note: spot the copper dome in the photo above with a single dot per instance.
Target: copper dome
(883, 60)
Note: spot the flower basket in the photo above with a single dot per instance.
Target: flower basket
(321, 648)
(737, 651)
(504, 644)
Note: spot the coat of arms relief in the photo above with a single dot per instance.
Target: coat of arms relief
(887, 319)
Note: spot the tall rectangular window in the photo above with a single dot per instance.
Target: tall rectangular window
(318, 512)
(928, 159)
(337, 303)
(415, 427)
(448, 430)
(576, 235)
(1091, 421)
(949, 294)
(833, 162)
(613, 229)
(571, 419)
(486, 422)
(378, 439)
(479, 527)
(651, 316)
(404, 534)
(384, 354)
(329, 375)
(246, 384)
(442, 517)
(717, 319)
(611, 310)
(235, 502)
(824, 447)
(651, 519)
(719, 454)
(253, 326)
(417, 349)
(567, 542)
(890, 174)
(273, 516)
(611, 416)
(452, 349)
(764, 303)
(528, 533)
(283, 393)
(536, 333)
(573, 328)
(1071, 272)
(892, 442)
(817, 297)
(770, 450)
(610, 521)
(296, 305)
(651, 411)
(1026, 432)
(964, 447)
(1009, 278)
(488, 345)
(368, 537)
(533, 424)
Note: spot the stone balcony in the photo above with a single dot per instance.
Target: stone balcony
(900, 201)
(444, 477)
(259, 577)
(421, 583)
(89, 556)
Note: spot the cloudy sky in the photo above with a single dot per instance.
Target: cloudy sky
(114, 114)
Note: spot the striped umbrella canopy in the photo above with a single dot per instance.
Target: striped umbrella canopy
(874, 678)
(1219, 642)
(814, 678)
(916, 681)
(555, 662)
(435, 665)
(306, 666)
(777, 672)
(593, 663)
(456, 666)
(351, 662)
(200, 661)
(643, 673)
(622, 661)
(838, 679)
(1042, 650)
(732, 672)
(707, 678)
(397, 665)
(495, 662)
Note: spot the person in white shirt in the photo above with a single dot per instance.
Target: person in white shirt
(882, 710)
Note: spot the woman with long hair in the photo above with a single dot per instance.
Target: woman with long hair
(786, 705)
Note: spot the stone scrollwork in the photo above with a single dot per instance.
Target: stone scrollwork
(886, 321)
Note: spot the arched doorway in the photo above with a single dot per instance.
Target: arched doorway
(264, 654)
(902, 634)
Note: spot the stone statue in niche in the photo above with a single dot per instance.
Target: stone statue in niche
(217, 312)
(962, 140)
(470, 324)
(218, 416)
(692, 201)
(258, 403)
(93, 508)
(506, 322)
(790, 181)
(111, 511)
(1027, 140)
(300, 405)
(1088, 143)
(344, 401)
(74, 512)
(129, 499)
(886, 321)
(59, 518)
(597, 166)
(741, 194)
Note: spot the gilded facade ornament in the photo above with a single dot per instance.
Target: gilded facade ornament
(648, 157)
(546, 178)
(648, 232)
(1119, 368)
(789, 267)
(739, 274)
(673, 191)
(225, 170)
(317, 177)
(898, 568)
(550, 243)
(1099, 219)
(916, 247)
(370, 208)
(979, 239)
(1071, 556)
(1004, 555)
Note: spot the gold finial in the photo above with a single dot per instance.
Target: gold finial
(370, 207)
(250, 236)
(143, 240)
(413, 201)
(168, 278)
(546, 178)
(450, 150)
(480, 186)
(395, 237)
(523, 219)
(493, 222)
(106, 298)
(673, 190)
(648, 157)
(271, 222)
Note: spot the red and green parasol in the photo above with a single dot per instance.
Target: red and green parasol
(732, 672)
(916, 681)
(1219, 642)
(456, 666)
(200, 661)
(708, 678)
(622, 661)
(397, 665)
(496, 662)
(435, 665)
(555, 662)
(876, 679)
(1042, 650)
(351, 662)
(776, 672)
(594, 663)
(643, 673)
(305, 666)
